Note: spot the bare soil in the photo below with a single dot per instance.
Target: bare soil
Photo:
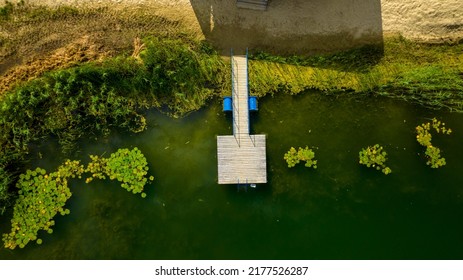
(35, 42)
(31, 45)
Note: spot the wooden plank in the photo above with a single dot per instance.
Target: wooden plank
(240, 96)
(241, 158)
(242, 164)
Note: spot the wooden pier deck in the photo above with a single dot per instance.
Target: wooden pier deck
(241, 157)
(240, 95)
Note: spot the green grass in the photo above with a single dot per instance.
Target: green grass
(6, 10)
(37, 13)
(430, 75)
(177, 76)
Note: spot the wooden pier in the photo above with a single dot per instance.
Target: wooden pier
(241, 157)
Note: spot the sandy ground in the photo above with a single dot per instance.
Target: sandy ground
(34, 47)
(301, 26)
(288, 26)
(424, 20)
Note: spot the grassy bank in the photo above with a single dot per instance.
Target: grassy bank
(38, 39)
(177, 76)
(176, 73)
(431, 75)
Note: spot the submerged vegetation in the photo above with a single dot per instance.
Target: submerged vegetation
(293, 157)
(42, 195)
(424, 137)
(374, 157)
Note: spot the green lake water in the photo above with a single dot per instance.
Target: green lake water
(340, 211)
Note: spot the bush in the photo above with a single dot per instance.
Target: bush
(93, 98)
(183, 75)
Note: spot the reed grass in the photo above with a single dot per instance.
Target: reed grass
(430, 75)
(175, 75)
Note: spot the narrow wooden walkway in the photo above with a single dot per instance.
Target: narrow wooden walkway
(240, 95)
(241, 157)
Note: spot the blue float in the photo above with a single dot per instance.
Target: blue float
(227, 104)
(252, 103)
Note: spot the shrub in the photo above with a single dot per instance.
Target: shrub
(93, 98)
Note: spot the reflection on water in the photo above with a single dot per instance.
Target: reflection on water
(340, 211)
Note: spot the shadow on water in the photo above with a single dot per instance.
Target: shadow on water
(339, 211)
(291, 27)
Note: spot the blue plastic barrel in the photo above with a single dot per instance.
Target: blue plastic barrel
(253, 103)
(227, 104)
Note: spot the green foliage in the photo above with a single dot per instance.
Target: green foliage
(433, 86)
(293, 157)
(45, 13)
(357, 59)
(9, 9)
(126, 166)
(426, 74)
(5, 196)
(6, 10)
(92, 98)
(435, 160)
(184, 75)
(424, 137)
(42, 195)
(69, 104)
(375, 157)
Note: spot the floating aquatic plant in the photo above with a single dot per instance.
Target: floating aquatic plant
(127, 166)
(375, 157)
(42, 196)
(424, 137)
(293, 157)
(435, 160)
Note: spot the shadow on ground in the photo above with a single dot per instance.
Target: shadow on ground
(291, 26)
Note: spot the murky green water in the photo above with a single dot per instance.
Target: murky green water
(339, 211)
